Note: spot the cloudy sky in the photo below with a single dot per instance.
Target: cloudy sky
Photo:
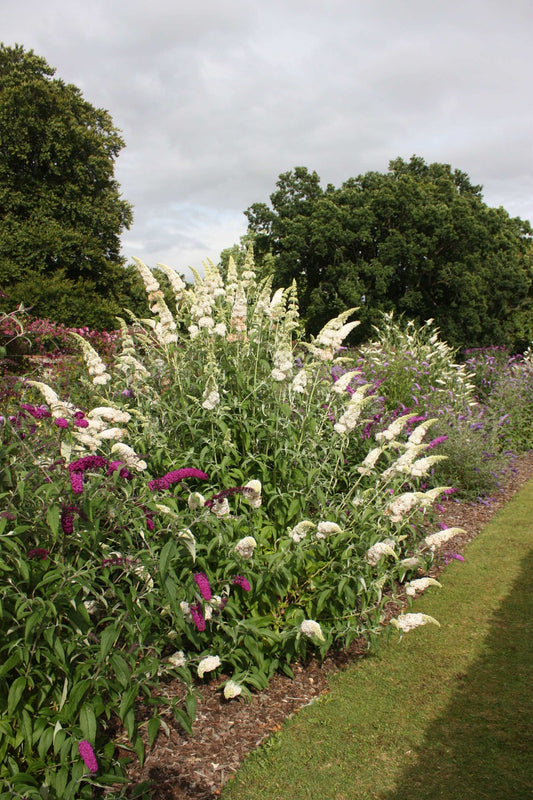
(215, 98)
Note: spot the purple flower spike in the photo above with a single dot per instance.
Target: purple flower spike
(67, 519)
(175, 476)
(89, 758)
(197, 616)
(203, 585)
(238, 580)
(38, 552)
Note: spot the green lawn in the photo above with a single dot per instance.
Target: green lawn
(445, 713)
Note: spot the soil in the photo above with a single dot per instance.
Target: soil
(184, 767)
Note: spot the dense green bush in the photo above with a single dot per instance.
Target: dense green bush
(205, 505)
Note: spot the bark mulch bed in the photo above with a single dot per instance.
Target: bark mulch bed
(184, 767)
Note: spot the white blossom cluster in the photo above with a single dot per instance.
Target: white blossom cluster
(245, 547)
(407, 622)
(435, 540)
(311, 628)
(208, 664)
(332, 335)
(95, 366)
(129, 457)
(379, 550)
(301, 530)
(419, 585)
(350, 417)
(394, 429)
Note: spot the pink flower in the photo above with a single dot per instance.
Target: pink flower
(77, 468)
(175, 476)
(61, 422)
(197, 616)
(38, 552)
(238, 580)
(114, 465)
(203, 585)
(76, 481)
(81, 423)
(87, 753)
(67, 519)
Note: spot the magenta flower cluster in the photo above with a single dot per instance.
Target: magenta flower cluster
(37, 412)
(177, 475)
(224, 494)
(113, 466)
(38, 552)
(77, 468)
(203, 585)
(88, 756)
(197, 616)
(239, 580)
(67, 519)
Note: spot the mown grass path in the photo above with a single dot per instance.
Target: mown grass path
(445, 713)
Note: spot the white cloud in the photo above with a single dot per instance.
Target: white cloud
(215, 99)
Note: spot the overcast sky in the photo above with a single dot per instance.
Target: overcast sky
(215, 98)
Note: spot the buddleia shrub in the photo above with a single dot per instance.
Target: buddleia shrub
(204, 507)
(415, 367)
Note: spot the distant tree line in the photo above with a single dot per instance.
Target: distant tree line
(61, 211)
(417, 240)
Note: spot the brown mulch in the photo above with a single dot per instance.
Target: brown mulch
(184, 767)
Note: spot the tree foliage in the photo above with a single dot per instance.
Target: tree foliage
(417, 240)
(61, 212)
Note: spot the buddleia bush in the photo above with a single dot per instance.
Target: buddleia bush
(416, 367)
(206, 507)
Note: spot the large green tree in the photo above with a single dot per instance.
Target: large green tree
(418, 240)
(61, 211)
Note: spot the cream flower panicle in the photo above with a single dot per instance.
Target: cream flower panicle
(402, 505)
(419, 585)
(129, 457)
(407, 622)
(245, 547)
(110, 414)
(232, 689)
(379, 550)
(301, 530)
(177, 659)
(340, 385)
(327, 528)
(394, 429)
(252, 493)
(208, 664)
(423, 465)
(420, 431)
(370, 461)
(434, 540)
(311, 628)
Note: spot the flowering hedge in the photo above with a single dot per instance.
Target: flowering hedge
(207, 506)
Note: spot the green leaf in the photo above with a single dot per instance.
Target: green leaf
(52, 518)
(9, 663)
(122, 670)
(153, 729)
(166, 553)
(15, 693)
(183, 720)
(127, 701)
(107, 640)
(88, 722)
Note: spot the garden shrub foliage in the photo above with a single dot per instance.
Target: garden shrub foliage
(204, 506)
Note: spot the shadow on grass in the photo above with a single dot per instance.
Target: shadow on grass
(482, 747)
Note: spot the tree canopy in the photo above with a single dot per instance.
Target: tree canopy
(418, 240)
(61, 211)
